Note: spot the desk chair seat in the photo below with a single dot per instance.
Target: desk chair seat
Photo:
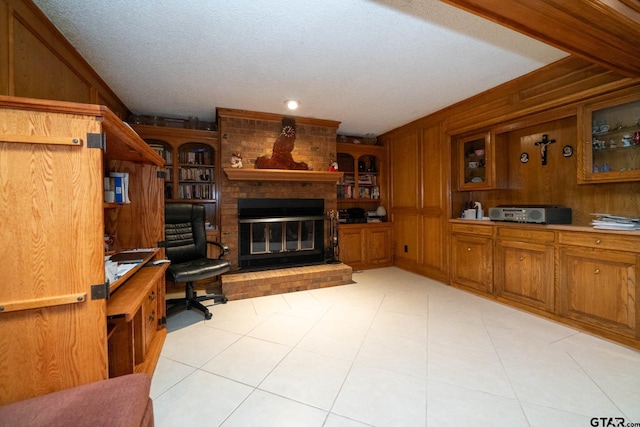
(186, 247)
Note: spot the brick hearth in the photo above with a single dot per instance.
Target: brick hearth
(260, 283)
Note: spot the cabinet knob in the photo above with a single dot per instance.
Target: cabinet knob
(596, 271)
(521, 258)
(597, 241)
(470, 228)
(468, 249)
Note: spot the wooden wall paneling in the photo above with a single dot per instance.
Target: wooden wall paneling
(38, 62)
(604, 32)
(406, 235)
(34, 61)
(404, 155)
(434, 212)
(564, 82)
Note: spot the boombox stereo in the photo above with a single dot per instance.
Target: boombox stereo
(537, 214)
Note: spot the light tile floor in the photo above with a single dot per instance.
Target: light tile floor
(393, 349)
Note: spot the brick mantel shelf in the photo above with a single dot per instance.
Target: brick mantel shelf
(242, 174)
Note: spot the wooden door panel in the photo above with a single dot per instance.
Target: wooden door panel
(472, 262)
(526, 273)
(599, 287)
(352, 247)
(378, 245)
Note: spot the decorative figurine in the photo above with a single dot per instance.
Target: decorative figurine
(236, 160)
(333, 166)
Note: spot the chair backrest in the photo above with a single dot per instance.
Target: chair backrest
(184, 232)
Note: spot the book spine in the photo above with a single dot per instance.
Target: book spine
(119, 189)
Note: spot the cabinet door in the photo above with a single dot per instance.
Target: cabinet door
(472, 262)
(351, 244)
(378, 246)
(524, 273)
(475, 162)
(610, 141)
(599, 288)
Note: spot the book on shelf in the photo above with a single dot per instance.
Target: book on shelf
(121, 186)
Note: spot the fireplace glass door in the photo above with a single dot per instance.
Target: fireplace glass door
(284, 236)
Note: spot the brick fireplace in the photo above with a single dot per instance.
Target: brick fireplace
(252, 135)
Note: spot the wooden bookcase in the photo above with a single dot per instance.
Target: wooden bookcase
(54, 333)
(192, 166)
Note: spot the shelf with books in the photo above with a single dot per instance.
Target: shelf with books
(191, 172)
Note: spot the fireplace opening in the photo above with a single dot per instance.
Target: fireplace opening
(277, 233)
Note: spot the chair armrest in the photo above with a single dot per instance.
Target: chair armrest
(224, 249)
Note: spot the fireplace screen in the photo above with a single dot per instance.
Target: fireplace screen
(276, 233)
(281, 236)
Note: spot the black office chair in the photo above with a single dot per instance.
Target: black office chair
(186, 247)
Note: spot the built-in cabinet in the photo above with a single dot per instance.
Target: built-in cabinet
(363, 180)
(524, 266)
(56, 304)
(580, 276)
(192, 165)
(472, 256)
(599, 281)
(609, 140)
(365, 246)
(363, 186)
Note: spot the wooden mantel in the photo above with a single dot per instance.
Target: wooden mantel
(242, 174)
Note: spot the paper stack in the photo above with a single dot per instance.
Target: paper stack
(612, 222)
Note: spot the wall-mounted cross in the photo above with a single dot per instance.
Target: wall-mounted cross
(543, 147)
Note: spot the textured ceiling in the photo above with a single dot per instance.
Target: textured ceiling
(373, 65)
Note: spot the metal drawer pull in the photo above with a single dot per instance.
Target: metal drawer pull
(152, 316)
(597, 241)
(596, 271)
(152, 296)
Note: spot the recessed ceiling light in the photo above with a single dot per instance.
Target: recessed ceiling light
(292, 104)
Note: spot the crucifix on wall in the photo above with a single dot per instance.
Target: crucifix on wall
(543, 147)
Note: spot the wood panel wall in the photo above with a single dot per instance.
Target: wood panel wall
(544, 101)
(36, 61)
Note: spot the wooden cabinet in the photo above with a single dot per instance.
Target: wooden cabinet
(363, 181)
(364, 246)
(472, 256)
(524, 266)
(609, 140)
(598, 281)
(480, 165)
(54, 157)
(192, 165)
(132, 320)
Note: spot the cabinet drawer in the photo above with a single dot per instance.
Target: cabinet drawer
(483, 230)
(602, 241)
(543, 236)
(149, 317)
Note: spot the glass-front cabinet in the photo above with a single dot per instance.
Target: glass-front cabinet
(609, 150)
(475, 162)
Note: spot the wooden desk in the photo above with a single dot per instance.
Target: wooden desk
(134, 319)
